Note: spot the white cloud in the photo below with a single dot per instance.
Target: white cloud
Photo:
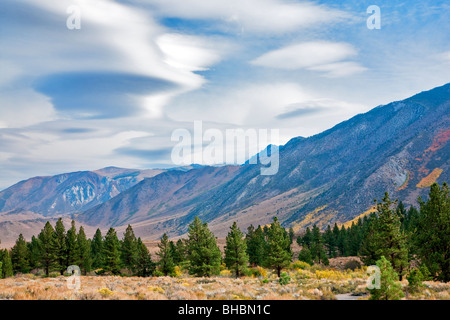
(322, 56)
(339, 69)
(265, 16)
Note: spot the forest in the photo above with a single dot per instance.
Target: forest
(403, 242)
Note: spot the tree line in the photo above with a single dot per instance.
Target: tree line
(393, 233)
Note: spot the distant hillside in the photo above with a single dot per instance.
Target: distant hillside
(70, 192)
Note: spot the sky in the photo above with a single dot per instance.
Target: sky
(112, 92)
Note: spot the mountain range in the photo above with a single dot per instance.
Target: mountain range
(334, 176)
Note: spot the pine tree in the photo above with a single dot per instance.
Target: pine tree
(278, 257)
(317, 246)
(389, 288)
(401, 212)
(72, 250)
(433, 232)
(369, 248)
(34, 253)
(97, 250)
(179, 252)
(60, 246)
(305, 240)
(343, 242)
(388, 238)
(144, 264)
(7, 267)
(203, 253)
(47, 249)
(305, 256)
(256, 246)
(129, 249)
(330, 242)
(20, 256)
(111, 252)
(84, 247)
(236, 257)
(166, 265)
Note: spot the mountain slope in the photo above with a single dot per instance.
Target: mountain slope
(330, 177)
(70, 192)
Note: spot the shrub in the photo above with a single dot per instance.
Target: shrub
(158, 273)
(105, 292)
(284, 278)
(415, 278)
(225, 273)
(300, 265)
(352, 265)
(258, 272)
(389, 289)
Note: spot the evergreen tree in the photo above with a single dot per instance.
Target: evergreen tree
(369, 254)
(129, 249)
(291, 236)
(111, 252)
(84, 247)
(97, 250)
(48, 249)
(305, 256)
(256, 245)
(343, 242)
(433, 232)
(389, 288)
(72, 250)
(144, 264)
(60, 246)
(166, 265)
(20, 256)
(203, 253)
(388, 238)
(179, 252)
(401, 212)
(7, 267)
(317, 247)
(236, 257)
(305, 240)
(330, 242)
(34, 253)
(278, 257)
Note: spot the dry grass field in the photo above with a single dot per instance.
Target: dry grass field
(310, 283)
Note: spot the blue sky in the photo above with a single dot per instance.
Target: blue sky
(112, 92)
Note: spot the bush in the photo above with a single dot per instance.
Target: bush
(225, 273)
(300, 265)
(258, 272)
(415, 278)
(352, 265)
(284, 278)
(105, 292)
(389, 289)
(158, 273)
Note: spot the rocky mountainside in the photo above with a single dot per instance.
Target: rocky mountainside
(331, 177)
(70, 192)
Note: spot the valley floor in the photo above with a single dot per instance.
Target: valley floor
(304, 284)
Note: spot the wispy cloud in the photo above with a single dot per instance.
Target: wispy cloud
(254, 16)
(322, 56)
